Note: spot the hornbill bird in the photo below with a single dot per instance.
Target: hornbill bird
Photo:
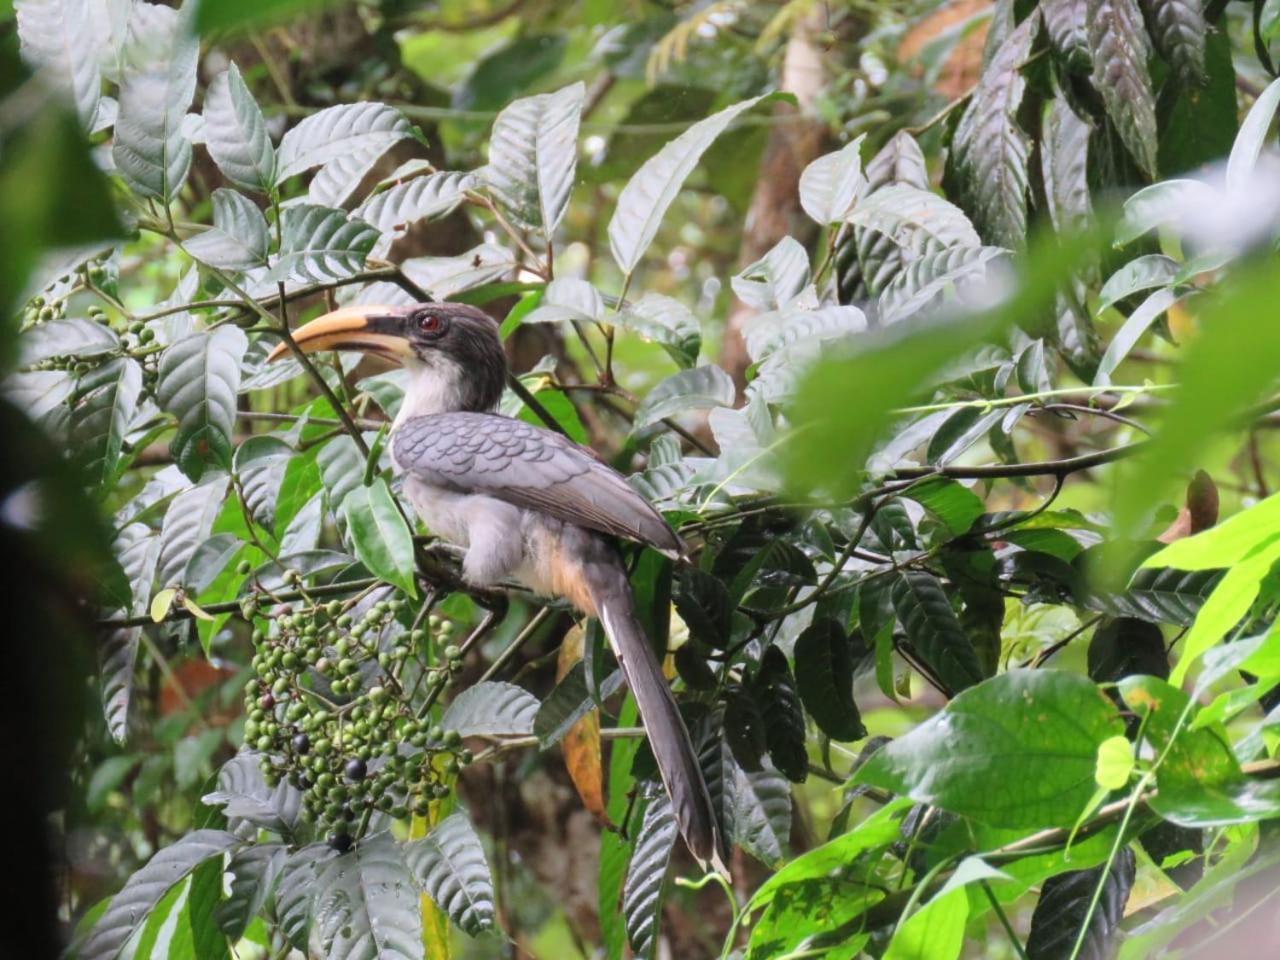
(524, 503)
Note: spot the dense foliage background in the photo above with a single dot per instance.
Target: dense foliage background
(945, 332)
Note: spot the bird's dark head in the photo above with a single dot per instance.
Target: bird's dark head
(452, 350)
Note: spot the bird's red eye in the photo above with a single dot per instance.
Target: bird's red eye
(429, 322)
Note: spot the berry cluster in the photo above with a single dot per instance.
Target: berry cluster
(338, 707)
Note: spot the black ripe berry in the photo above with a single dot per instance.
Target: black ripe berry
(355, 770)
(301, 743)
(340, 841)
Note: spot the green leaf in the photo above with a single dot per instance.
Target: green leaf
(260, 464)
(1199, 782)
(824, 680)
(322, 244)
(297, 889)
(568, 299)
(1126, 338)
(57, 37)
(204, 896)
(1252, 137)
(830, 185)
(445, 277)
(1224, 544)
(508, 69)
(700, 388)
(1139, 274)
(450, 867)
(1066, 899)
(199, 380)
(774, 691)
(667, 322)
(254, 871)
(338, 131)
(954, 504)
(1064, 152)
(777, 279)
(341, 470)
(1123, 646)
(72, 337)
(769, 333)
(1178, 28)
(934, 630)
(492, 709)
(706, 607)
(379, 535)
(130, 908)
(119, 655)
(1115, 763)
(915, 219)
(922, 283)
(1037, 728)
(934, 932)
(1065, 23)
(569, 702)
(238, 239)
(235, 133)
(366, 906)
(989, 150)
(533, 155)
(1118, 40)
(156, 87)
(647, 195)
(1198, 123)
(1158, 205)
(758, 811)
(102, 408)
(642, 893)
(1162, 595)
(392, 212)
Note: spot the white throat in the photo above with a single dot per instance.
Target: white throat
(431, 388)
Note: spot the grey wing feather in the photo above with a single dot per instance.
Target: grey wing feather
(529, 467)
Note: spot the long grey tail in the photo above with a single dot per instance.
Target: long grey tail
(668, 735)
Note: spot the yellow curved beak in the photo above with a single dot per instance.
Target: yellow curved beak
(371, 328)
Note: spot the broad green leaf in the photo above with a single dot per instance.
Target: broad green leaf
(922, 284)
(102, 408)
(492, 709)
(1123, 646)
(449, 865)
(365, 905)
(378, 533)
(646, 876)
(568, 703)
(1065, 23)
(296, 890)
(130, 908)
(73, 337)
(341, 469)
(207, 562)
(119, 654)
(533, 154)
(879, 829)
(824, 680)
(57, 37)
(337, 131)
(776, 279)
(989, 150)
(647, 195)
(445, 277)
(758, 810)
(934, 932)
(260, 465)
(1199, 782)
(204, 896)
(774, 690)
(1162, 595)
(915, 219)
(254, 871)
(156, 88)
(665, 321)
(1252, 137)
(340, 182)
(934, 630)
(1179, 30)
(769, 333)
(187, 523)
(242, 14)
(235, 133)
(1064, 159)
(1126, 338)
(238, 239)
(830, 185)
(1141, 273)
(1224, 544)
(322, 244)
(199, 379)
(1065, 900)
(1118, 42)
(1038, 728)
(699, 388)
(568, 299)
(955, 505)
(1160, 204)
(392, 212)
